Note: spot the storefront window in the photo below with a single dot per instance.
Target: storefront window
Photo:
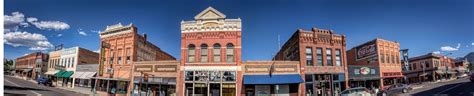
(215, 76)
(212, 83)
(188, 76)
(229, 76)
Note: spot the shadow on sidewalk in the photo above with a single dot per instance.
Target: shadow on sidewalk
(6, 87)
(12, 94)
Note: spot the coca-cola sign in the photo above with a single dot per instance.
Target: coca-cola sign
(366, 50)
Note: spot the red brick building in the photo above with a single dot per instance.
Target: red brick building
(31, 65)
(430, 67)
(375, 64)
(210, 47)
(321, 54)
(120, 46)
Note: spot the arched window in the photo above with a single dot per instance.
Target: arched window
(217, 52)
(204, 53)
(230, 53)
(191, 53)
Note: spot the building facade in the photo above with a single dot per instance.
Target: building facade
(32, 65)
(375, 64)
(120, 46)
(322, 58)
(430, 67)
(64, 62)
(210, 55)
(157, 78)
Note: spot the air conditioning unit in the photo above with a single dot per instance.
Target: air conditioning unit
(110, 70)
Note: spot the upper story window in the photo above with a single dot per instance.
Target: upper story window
(387, 58)
(319, 56)
(427, 64)
(393, 59)
(217, 52)
(382, 58)
(191, 53)
(414, 66)
(309, 56)
(329, 57)
(129, 53)
(204, 57)
(230, 53)
(338, 57)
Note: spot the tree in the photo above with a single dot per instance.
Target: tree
(7, 65)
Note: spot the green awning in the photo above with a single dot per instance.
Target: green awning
(67, 74)
(59, 74)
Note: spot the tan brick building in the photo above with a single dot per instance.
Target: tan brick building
(120, 46)
(430, 67)
(375, 64)
(31, 65)
(321, 54)
(210, 47)
(157, 76)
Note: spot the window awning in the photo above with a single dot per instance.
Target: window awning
(273, 79)
(51, 72)
(67, 74)
(58, 74)
(77, 74)
(87, 75)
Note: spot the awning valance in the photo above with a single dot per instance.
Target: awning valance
(273, 79)
(67, 74)
(51, 72)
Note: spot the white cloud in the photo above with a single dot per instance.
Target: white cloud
(459, 45)
(97, 51)
(33, 40)
(14, 21)
(48, 25)
(448, 48)
(437, 52)
(59, 35)
(95, 31)
(81, 32)
(472, 44)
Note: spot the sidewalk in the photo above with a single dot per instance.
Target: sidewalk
(82, 90)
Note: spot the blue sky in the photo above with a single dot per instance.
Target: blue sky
(423, 26)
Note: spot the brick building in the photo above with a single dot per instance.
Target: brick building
(156, 77)
(210, 47)
(375, 64)
(322, 60)
(430, 67)
(31, 65)
(120, 46)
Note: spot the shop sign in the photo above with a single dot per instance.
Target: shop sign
(367, 50)
(362, 71)
(165, 68)
(143, 68)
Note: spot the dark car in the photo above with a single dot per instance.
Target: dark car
(45, 81)
(396, 89)
(471, 77)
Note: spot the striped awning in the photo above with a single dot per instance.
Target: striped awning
(77, 74)
(87, 75)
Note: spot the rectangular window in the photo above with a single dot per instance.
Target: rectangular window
(191, 55)
(128, 60)
(119, 60)
(217, 55)
(398, 59)
(414, 66)
(427, 64)
(72, 62)
(338, 57)
(329, 57)
(230, 55)
(111, 60)
(393, 59)
(319, 56)
(382, 58)
(309, 56)
(387, 58)
(204, 55)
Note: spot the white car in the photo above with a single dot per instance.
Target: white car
(358, 91)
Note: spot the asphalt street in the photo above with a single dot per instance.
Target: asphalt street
(458, 87)
(18, 87)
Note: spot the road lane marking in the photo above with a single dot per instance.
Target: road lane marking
(450, 88)
(37, 94)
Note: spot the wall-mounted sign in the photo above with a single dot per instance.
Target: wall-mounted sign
(143, 68)
(363, 72)
(165, 68)
(266, 68)
(366, 50)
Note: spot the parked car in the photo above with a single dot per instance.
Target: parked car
(396, 89)
(462, 75)
(471, 77)
(45, 81)
(358, 91)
